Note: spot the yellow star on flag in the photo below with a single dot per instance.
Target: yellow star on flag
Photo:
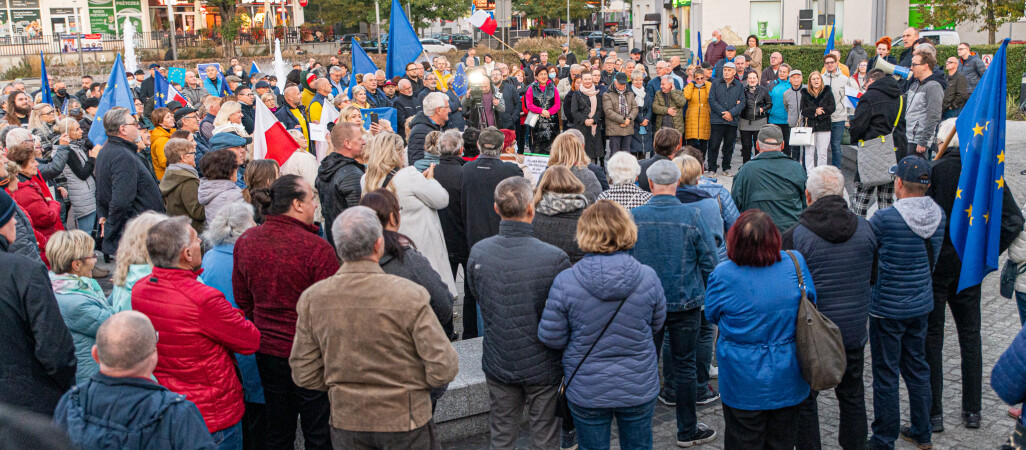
(986, 218)
(1001, 157)
(1000, 182)
(958, 193)
(978, 130)
(970, 211)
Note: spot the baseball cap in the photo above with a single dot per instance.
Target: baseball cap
(771, 135)
(262, 84)
(663, 172)
(794, 72)
(620, 78)
(221, 141)
(912, 169)
(729, 64)
(182, 112)
(490, 139)
(154, 65)
(232, 79)
(635, 51)
(730, 48)
(173, 105)
(389, 83)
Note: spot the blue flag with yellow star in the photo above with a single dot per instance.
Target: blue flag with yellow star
(117, 93)
(159, 90)
(459, 81)
(975, 227)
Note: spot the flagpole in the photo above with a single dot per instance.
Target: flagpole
(942, 148)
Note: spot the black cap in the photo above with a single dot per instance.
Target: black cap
(620, 78)
(263, 85)
(154, 66)
(182, 112)
(912, 169)
(636, 51)
(173, 105)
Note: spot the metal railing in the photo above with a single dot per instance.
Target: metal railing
(152, 41)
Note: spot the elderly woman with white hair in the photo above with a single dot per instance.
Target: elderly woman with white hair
(83, 306)
(229, 120)
(623, 170)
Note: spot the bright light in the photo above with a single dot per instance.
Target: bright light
(478, 79)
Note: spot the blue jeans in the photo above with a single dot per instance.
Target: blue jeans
(86, 222)
(229, 438)
(703, 355)
(682, 330)
(899, 346)
(634, 424)
(1020, 302)
(836, 133)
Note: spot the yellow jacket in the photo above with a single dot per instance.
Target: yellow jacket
(696, 123)
(158, 137)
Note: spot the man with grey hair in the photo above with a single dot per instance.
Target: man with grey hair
(433, 117)
(193, 89)
(335, 77)
(125, 187)
(338, 177)
(565, 83)
(405, 104)
(374, 96)
(372, 341)
(123, 395)
(480, 178)
(202, 329)
(840, 250)
(769, 74)
(520, 371)
(771, 181)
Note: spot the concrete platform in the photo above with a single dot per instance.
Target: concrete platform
(463, 410)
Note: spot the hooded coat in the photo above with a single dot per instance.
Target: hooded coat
(840, 250)
(555, 222)
(856, 56)
(419, 129)
(622, 370)
(906, 235)
(84, 309)
(180, 189)
(215, 194)
(877, 110)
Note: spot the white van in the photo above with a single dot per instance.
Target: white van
(942, 37)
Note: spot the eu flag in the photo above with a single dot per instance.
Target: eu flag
(830, 43)
(117, 93)
(387, 113)
(403, 45)
(222, 86)
(361, 64)
(45, 89)
(699, 47)
(459, 81)
(159, 90)
(976, 216)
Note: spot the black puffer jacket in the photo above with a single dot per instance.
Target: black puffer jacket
(338, 186)
(37, 358)
(840, 249)
(877, 110)
(824, 100)
(511, 311)
(419, 129)
(757, 103)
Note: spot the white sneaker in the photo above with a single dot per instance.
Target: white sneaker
(714, 372)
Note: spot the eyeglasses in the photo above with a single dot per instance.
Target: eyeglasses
(87, 258)
(190, 153)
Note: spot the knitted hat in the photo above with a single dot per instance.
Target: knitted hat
(6, 207)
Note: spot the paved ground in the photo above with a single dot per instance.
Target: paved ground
(1001, 323)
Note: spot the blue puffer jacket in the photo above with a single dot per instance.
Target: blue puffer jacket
(1009, 375)
(840, 248)
(778, 113)
(675, 241)
(728, 209)
(130, 413)
(712, 210)
(622, 370)
(904, 287)
(84, 309)
(756, 309)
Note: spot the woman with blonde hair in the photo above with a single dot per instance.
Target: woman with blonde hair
(420, 198)
(229, 119)
(817, 105)
(79, 173)
(132, 262)
(353, 115)
(359, 95)
(607, 289)
(270, 101)
(83, 306)
(40, 123)
(558, 204)
(568, 151)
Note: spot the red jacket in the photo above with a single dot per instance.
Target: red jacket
(198, 332)
(274, 263)
(45, 214)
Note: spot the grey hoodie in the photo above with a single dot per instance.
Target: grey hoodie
(922, 215)
(215, 194)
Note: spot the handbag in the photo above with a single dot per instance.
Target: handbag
(532, 119)
(876, 156)
(562, 405)
(1009, 273)
(801, 136)
(820, 345)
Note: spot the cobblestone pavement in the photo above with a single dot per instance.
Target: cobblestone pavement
(1000, 324)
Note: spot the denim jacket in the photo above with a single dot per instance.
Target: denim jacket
(675, 241)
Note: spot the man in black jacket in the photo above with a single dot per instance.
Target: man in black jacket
(338, 178)
(37, 358)
(875, 116)
(415, 75)
(509, 119)
(965, 305)
(246, 99)
(405, 105)
(125, 187)
(519, 370)
(433, 117)
(449, 173)
(480, 177)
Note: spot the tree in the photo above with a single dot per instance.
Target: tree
(553, 9)
(990, 14)
(354, 12)
(231, 24)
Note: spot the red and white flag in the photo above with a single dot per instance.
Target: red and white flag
(270, 139)
(484, 21)
(174, 96)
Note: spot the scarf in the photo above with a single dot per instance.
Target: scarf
(623, 102)
(639, 96)
(592, 97)
(74, 284)
(553, 203)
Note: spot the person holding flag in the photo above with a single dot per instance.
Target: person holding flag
(969, 185)
(212, 80)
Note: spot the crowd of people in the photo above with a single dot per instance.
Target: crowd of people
(250, 296)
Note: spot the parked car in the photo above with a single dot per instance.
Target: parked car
(623, 37)
(436, 46)
(460, 41)
(346, 41)
(552, 32)
(596, 36)
(371, 45)
(939, 37)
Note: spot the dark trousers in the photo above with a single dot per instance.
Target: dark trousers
(423, 438)
(682, 328)
(703, 356)
(965, 309)
(254, 427)
(748, 139)
(772, 429)
(793, 152)
(851, 399)
(725, 135)
(285, 401)
(701, 144)
(899, 346)
(620, 144)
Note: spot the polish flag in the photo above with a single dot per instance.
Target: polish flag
(270, 139)
(484, 21)
(174, 96)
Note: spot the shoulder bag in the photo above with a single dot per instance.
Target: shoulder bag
(876, 156)
(820, 345)
(801, 136)
(562, 405)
